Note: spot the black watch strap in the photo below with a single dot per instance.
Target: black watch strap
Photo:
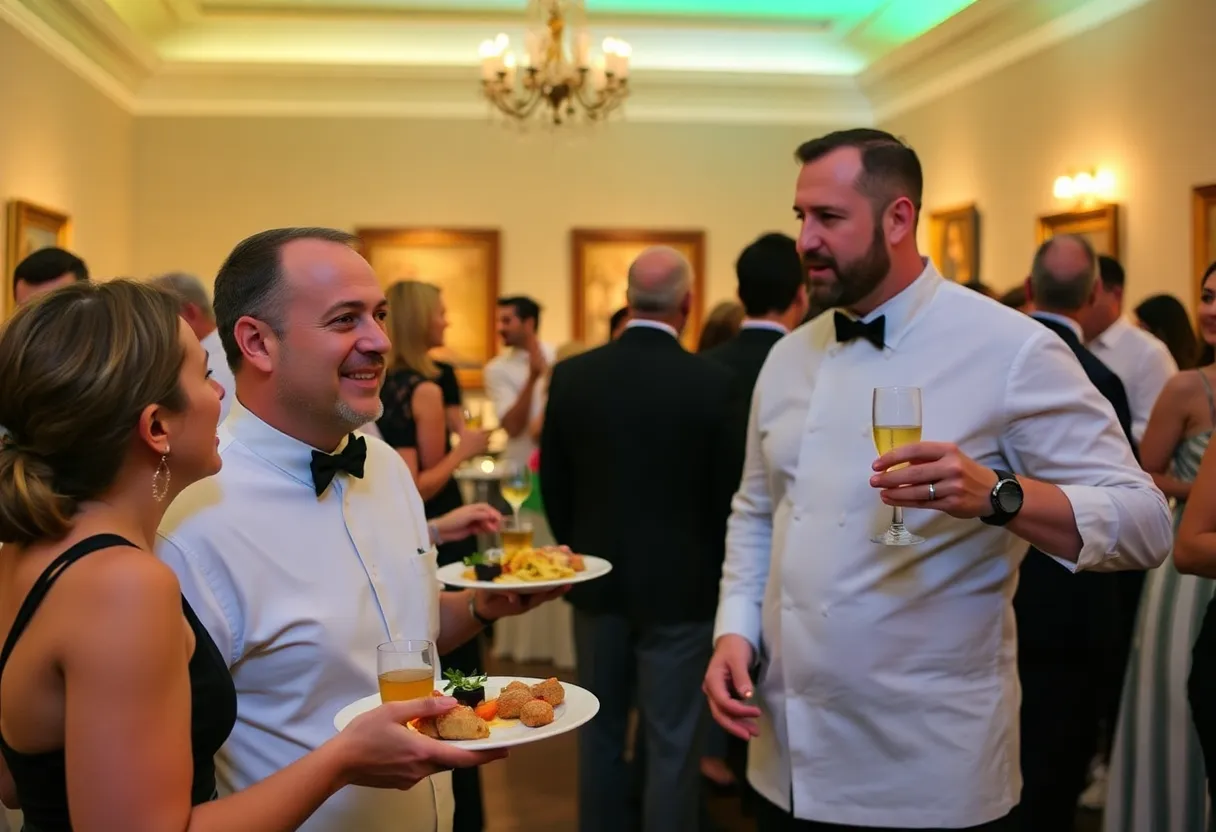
(1000, 516)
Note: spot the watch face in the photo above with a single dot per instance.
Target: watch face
(1009, 496)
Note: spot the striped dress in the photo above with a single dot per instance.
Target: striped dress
(1157, 781)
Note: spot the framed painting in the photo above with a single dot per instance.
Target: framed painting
(30, 228)
(1203, 234)
(600, 266)
(464, 264)
(1100, 226)
(954, 243)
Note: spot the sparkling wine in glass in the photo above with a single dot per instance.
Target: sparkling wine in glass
(516, 485)
(897, 422)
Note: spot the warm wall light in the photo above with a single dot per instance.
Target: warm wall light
(1085, 187)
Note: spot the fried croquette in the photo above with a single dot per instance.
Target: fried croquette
(551, 691)
(461, 723)
(516, 685)
(512, 699)
(426, 726)
(536, 713)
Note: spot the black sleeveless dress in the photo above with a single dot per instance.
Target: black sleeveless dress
(41, 779)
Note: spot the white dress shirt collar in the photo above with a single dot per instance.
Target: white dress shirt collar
(754, 323)
(669, 329)
(1113, 334)
(288, 454)
(1060, 319)
(902, 310)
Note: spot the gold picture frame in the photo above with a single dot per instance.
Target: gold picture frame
(954, 242)
(464, 264)
(600, 259)
(1099, 225)
(1203, 234)
(30, 227)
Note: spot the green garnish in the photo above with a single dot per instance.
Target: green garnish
(458, 681)
(478, 559)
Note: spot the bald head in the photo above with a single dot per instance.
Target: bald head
(1063, 274)
(659, 283)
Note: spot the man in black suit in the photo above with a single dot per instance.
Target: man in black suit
(772, 289)
(1069, 641)
(634, 468)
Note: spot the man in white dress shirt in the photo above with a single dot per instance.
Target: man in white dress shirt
(311, 547)
(886, 692)
(198, 313)
(1142, 362)
(513, 378)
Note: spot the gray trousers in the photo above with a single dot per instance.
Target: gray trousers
(665, 664)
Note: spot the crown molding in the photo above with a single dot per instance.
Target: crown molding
(453, 93)
(67, 51)
(982, 40)
(90, 38)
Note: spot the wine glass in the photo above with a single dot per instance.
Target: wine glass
(897, 422)
(516, 485)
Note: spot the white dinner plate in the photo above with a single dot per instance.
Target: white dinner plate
(453, 575)
(578, 708)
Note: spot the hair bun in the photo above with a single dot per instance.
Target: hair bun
(30, 507)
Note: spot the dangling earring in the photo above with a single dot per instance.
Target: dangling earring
(160, 480)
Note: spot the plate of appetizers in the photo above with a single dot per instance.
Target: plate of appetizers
(496, 711)
(525, 571)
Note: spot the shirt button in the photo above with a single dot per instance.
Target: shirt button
(840, 522)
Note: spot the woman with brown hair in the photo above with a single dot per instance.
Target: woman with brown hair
(113, 697)
(723, 323)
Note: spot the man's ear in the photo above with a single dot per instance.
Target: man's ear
(1029, 288)
(257, 342)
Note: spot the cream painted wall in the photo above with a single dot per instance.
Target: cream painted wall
(1134, 95)
(66, 146)
(202, 184)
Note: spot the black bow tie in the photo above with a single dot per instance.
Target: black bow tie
(847, 329)
(327, 466)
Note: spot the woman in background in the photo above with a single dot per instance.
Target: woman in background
(416, 423)
(114, 697)
(723, 323)
(1165, 317)
(1156, 774)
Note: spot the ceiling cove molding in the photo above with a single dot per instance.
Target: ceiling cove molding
(973, 68)
(63, 49)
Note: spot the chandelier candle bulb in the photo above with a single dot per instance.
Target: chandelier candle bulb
(582, 50)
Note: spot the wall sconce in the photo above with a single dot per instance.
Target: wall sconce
(1085, 188)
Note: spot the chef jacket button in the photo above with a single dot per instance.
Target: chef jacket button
(842, 519)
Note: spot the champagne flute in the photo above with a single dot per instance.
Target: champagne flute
(897, 422)
(516, 485)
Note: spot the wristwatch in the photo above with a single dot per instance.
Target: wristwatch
(1006, 497)
(478, 617)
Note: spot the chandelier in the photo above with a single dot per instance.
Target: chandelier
(561, 77)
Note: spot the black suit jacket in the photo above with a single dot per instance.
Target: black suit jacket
(744, 355)
(1060, 614)
(633, 469)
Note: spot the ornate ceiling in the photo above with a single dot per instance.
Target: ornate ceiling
(753, 61)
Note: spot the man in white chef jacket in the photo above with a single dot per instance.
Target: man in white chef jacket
(311, 546)
(885, 690)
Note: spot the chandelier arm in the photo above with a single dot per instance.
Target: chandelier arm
(508, 103)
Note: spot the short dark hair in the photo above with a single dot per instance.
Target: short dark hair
(889, 168)
(981, 287)
(250, 281)
(1065, 292)
(1015, 298)
(1111, 271)
(525, 308)
(769, 271)
(49, 264)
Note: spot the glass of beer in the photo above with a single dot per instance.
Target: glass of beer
(516, 535)
(406, 670)
(897, 422)
(472, 416)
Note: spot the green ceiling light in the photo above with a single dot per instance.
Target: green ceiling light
(901, 21)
